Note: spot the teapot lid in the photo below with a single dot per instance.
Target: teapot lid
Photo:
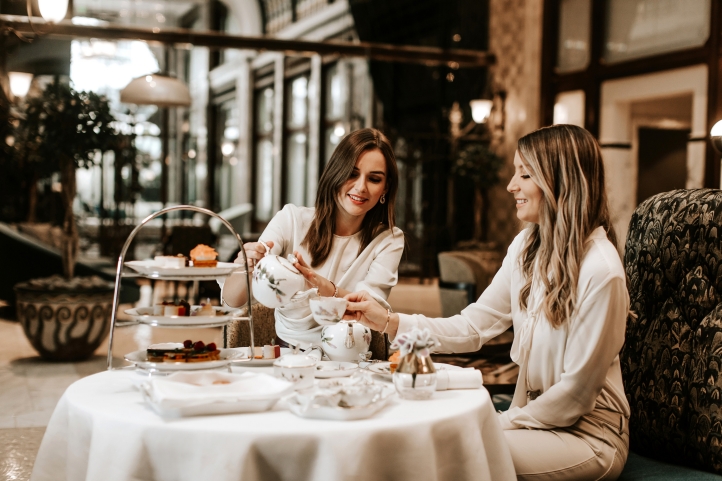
(295, 360)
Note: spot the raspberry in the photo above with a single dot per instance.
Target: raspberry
(198, 346)
(211, 347)
(187, 344)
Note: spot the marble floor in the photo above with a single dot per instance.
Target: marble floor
(32, 387)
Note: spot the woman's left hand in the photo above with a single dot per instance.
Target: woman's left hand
(325, 287)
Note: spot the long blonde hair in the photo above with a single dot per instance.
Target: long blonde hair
(566, 163)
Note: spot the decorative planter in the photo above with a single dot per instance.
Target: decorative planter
(65, 320)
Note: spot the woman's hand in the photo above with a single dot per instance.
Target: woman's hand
(325, 287)
(255, 251)
(366, 310)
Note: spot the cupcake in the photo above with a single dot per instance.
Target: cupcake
(204, 256)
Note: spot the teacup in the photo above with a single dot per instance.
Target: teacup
(299, 369)
(328, 310)
(276, 281)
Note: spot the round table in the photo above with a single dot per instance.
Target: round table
(102, 430)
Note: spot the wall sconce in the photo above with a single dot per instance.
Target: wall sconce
(715, 136)
(481, 110)
(20, 83)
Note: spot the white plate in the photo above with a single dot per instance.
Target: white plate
(326, 369)
(140, 359)
(144, 315)
(151, 269)
(240, 406)
(383, 369)
(338, 413)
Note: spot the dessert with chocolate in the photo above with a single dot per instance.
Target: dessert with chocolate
(188, 351)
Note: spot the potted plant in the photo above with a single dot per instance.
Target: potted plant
(65, 317)
(478, 163)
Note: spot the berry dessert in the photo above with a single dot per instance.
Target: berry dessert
(189, 351)
(204, 256)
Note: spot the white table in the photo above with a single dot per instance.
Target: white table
(101, 430)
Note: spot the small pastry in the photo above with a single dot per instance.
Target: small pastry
(157, 352)
(206, 310)
(394, 359)
(204, 256)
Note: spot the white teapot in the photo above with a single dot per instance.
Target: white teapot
(277, 282)
(345, 341)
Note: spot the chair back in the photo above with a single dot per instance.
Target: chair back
(672, 357)
(463, 276)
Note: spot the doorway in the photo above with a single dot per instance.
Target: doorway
(662, 161)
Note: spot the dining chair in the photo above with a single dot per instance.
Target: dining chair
(672, 357)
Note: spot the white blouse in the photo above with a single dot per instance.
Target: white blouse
(374, 270)
(576, 366)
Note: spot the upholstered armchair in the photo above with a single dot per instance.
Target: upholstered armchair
(672, 357)
(264, 331)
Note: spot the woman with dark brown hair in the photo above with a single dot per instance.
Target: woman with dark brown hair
(348, 242)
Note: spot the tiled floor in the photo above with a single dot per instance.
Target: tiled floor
(32, 387)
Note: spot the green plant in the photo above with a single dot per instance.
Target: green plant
(478, 163)
(63, 130)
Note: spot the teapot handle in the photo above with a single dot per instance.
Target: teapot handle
(268, 249)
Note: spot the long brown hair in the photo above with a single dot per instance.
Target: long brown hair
(319, 239)
(566, 163)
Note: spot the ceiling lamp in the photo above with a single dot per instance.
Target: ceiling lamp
(156, 89)
(20, 83)
(53, 10)
(481, 110)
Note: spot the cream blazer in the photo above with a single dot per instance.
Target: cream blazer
(576, 366)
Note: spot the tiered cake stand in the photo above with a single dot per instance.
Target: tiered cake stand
(223, 315)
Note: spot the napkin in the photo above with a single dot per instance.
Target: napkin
(184, 389)
(467, 378)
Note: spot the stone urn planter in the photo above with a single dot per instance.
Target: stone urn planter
(65, 320)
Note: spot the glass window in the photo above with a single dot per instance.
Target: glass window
(640, 28)
(569, 108)
(229, 133)
(574, 34)
(337, 99)
(264, 154)
(296, 141)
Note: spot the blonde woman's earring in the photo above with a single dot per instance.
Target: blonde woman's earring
(383, 198)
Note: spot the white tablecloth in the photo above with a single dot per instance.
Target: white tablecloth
(101, 430)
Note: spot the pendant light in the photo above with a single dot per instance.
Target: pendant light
(156, 89)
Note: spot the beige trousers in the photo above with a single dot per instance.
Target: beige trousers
(594, 448)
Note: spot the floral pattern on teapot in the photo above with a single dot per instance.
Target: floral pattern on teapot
(261, 274)
(333, 341)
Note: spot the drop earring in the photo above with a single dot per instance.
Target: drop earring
(383, 198)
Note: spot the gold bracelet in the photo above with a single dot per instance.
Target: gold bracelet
(335, 288)
(388, 318)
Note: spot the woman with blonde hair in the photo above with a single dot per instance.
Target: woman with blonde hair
(347, 242)
(562, 287)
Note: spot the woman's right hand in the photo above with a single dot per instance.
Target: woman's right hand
(366, 310)
(255, 251)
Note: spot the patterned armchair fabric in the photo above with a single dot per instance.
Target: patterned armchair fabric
(672, 358)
